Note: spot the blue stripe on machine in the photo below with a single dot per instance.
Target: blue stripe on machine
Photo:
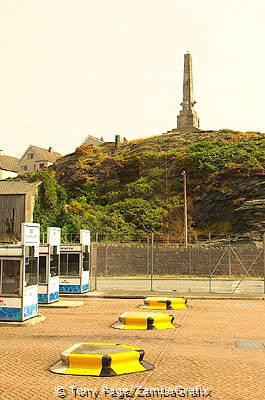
(42, 298)
(10, 313)
(85, 288)
(53, 296)
(69, 289)
(30, 311)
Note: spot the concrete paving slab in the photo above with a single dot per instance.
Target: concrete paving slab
(63, 304)
(28, 322)
(249, 345)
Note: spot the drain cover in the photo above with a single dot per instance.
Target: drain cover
(249, 344)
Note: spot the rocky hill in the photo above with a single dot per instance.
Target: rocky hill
(138, 187)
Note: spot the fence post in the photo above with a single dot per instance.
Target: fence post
(147, 255)
(190, 257)
(106, 259)
(96, 269)
(152, 260)
(229, 256)
(209, 261)
(264, 261)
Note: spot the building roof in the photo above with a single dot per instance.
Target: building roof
(94, 138)
(9, 163)
(13, 186)
(44, 154)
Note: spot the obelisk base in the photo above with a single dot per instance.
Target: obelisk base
(188, 120)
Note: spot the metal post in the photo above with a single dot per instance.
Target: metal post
(210, 267)
(23, 279)
(185, 209)
(96, 269)
(190, 257)
(264, 261)
(147, 255)
(229, 256)
(152, 260)
(106, 260)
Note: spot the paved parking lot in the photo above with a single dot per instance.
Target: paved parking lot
(201, 352)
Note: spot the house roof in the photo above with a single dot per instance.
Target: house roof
(94, 138)
(44, 154)
(9, 163)
(13, 186)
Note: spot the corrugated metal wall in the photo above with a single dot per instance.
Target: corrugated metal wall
(12, 213)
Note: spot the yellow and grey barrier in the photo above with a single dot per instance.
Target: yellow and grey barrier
(101, 359)
(164, 303)
(145, 321)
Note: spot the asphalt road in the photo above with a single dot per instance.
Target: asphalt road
(182, 285)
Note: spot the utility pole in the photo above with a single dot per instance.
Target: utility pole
(185, 209)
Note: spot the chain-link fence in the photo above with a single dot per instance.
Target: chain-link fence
(231, 264)
(218, 264)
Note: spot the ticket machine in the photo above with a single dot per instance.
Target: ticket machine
(74, 265)
(19, 276)
(49, 262)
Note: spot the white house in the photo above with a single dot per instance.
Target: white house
(36, 158)
(93, 141)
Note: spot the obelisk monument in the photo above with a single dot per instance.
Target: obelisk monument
(188, 118)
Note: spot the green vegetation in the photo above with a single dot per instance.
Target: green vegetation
(126, 193)
(213, 156)
(51, 200)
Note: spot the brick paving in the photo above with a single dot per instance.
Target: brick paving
(201, 352)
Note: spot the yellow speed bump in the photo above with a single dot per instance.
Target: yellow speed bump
(164, 303)
(145, 320)
(101, 359)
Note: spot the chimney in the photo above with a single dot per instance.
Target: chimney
(117, 141)
(1, 152)
(102, 139)
(50, 149)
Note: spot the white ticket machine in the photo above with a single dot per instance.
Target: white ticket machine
(19, 276)
(49, 262)
(74, 265)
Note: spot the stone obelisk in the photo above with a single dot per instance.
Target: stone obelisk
(187, 118)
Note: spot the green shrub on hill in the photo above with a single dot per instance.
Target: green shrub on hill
(49, 209)
(141, 188)
(143, 214)
(212, 156)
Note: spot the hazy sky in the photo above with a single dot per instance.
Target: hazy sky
(69, 68)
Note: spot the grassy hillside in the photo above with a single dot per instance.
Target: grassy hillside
(127, 192)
